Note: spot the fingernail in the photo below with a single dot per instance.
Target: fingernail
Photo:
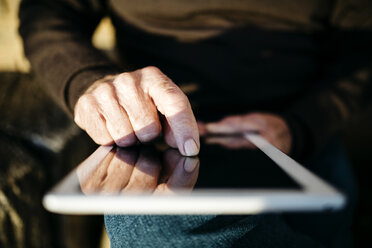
(190, 164)
(191, 149)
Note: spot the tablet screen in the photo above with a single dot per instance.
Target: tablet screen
(223, 163)
(222, 167)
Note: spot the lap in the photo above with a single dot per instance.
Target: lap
(245, 230)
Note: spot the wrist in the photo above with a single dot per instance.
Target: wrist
(299, 138)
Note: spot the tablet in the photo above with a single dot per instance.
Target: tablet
(231, 175)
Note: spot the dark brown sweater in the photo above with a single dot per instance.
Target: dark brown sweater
(309, 61)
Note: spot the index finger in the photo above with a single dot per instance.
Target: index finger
(175, 106)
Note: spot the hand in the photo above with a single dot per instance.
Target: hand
(270, 126)
(123, 108)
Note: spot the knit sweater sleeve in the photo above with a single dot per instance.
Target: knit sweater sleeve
(343, 87)
(57, 41)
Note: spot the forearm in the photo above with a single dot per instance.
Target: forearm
(325, 111)
(344, 85)
(57, 41)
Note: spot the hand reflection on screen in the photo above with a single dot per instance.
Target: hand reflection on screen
(129, 170)
(229, 141)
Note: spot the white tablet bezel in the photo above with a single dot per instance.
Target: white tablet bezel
(315, 195)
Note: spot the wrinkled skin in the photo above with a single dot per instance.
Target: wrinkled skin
(138, 105)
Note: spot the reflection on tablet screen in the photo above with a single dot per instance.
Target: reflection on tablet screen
(221, 164)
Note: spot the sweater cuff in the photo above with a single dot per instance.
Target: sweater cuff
(314, 120)
(82, 80)
(301, 138)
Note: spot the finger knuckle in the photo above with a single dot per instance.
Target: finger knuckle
(152, 70)
(104, 92)
(85, 105)
(122, 76)
(175, 96)
(172, 90)
(126, 79)
(86, 100)
(104, 87)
